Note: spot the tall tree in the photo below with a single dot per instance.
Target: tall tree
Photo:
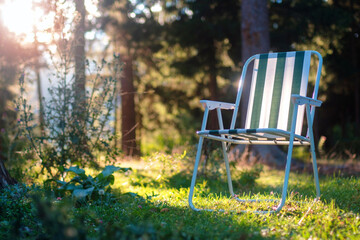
(135, 35)
(255, 38)
(37, 67)
(128, 137)
(254, 28)
(79, 57)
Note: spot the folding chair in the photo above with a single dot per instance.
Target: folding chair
(277, 100)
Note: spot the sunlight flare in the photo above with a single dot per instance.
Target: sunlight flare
(24, 18)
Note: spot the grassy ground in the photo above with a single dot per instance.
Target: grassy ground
(151, 203)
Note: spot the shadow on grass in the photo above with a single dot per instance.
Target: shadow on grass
(344, 191)
(171, 222)
(128, 216)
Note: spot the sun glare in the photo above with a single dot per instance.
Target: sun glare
(22, 17)
(18, 16)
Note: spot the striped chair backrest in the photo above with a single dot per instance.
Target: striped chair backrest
(276, 76)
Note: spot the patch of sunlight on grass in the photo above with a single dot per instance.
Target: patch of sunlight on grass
(151, 201)
(301, 217)
(160, 198)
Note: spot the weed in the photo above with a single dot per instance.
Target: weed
(85, 187)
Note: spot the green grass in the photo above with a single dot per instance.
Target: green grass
(151, 203)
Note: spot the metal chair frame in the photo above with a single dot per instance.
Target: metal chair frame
(265, 136)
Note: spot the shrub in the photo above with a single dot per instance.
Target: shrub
(65, 141)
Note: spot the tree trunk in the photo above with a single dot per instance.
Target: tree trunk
(117, 112)
(41, 107)
(5, 178)
(255, 38)
(38, 82)
(254, 28)
(79, 56)
(128, 114)
(80, 103)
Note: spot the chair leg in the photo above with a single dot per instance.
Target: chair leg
(224, 149)
(286, 178)
(316, 176)
(313, 154)
(226, 159)
(193, 180)
(288, 160)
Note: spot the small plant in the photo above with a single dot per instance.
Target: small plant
(85, 187)
(248, 177)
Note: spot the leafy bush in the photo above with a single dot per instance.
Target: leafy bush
(63, 140)
(85, 187)
(16, 212)
(12, 201)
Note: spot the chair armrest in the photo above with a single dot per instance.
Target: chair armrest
(214, 104)
(301, 100)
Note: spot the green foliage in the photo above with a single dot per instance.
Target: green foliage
(18, 163)
(85, 187)
(338, 189)
(168, 163)
(331, 28)
(179, 48)
(13, 201)
(207, 32)
(160, 211)
(211, 167)
(248, 177)
(170, 166)
(16, 212)
(64, 140)
(301, 153)
(55, 220)
(347, 142)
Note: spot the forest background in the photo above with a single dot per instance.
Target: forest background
(172, 54)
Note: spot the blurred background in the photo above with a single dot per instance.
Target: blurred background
(172, 54)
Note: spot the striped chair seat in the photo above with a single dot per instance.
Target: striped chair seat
(275, 112)
(265, 136)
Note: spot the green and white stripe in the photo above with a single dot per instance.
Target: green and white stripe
(276, 76)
